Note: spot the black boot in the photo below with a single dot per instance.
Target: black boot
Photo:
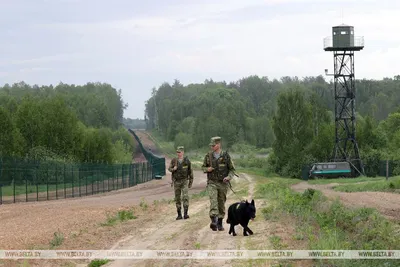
(213, 224)
(219, 225)
(179, 214)
(185, 213)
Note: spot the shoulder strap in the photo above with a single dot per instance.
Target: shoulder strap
(225, 155)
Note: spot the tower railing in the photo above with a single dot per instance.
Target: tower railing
(358, 41)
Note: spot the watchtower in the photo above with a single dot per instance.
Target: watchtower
(343, 43)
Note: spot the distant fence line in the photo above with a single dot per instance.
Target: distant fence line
(157, 162)
(28, 180)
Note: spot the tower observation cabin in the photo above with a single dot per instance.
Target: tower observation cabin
(343, 39)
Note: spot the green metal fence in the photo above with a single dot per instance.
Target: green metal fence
(23, 181)
(157, 162)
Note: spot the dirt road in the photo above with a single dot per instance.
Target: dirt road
(39, 220)
(388, 204)
(164, 232)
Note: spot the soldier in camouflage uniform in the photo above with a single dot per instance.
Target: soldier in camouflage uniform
(182, 179)
(220, 170)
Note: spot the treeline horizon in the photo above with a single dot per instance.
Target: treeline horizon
(70, 123)
(292, 116)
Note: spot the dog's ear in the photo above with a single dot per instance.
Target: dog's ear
(252, 202)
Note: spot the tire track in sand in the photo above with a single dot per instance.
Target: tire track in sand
(164, 232)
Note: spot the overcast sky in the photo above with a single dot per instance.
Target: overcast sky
(137, 45)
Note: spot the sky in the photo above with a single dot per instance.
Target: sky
(137, 45)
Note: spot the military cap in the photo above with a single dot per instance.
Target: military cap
(179, 149)
(215, 140)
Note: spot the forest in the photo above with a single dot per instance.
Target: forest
(66, 123)
(134, 123)
(294, 117)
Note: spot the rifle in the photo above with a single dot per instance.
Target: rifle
(172, 174)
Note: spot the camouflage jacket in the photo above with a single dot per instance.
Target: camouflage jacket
(184, 170)
(223, 166)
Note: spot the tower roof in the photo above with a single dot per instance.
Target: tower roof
(342, 25)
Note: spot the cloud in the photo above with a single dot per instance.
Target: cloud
(137, 46)
(44, 59)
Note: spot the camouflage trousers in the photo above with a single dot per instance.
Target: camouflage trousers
(181, 193)
(217, 192)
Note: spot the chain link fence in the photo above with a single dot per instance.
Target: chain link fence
(23, 181)
(157, 162)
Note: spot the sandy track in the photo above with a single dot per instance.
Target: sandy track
(32, 224)
(388, 204)
(164, 232)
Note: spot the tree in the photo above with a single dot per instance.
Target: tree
(292, 126)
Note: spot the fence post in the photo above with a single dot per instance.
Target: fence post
(37, 185)
(14, 188)
(26, 188)
(73, 178)
(79, 179)
(102, 175)
(387, 169)
(108, 178)
(122, 175)
(1, 186)
(65, 185)
(56, 181)
(84, 171)
(47, 181)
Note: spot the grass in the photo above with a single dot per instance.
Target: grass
(243, 192)
(120, 216)
(143, 204)
(254, 171)
(166, 147)
(326, 224)
(57, 240)
(199, 195)
(97, 263)
(345, 180)
(381, 185)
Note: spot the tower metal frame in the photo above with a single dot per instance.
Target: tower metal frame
(346, 146)
(343, 43)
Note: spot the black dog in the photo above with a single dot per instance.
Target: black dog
(241, 213)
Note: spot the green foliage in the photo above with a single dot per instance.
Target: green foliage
(134, 123)
(252, 162)
(183, 139)
(328, 225)
(293, 131)
(98, 263)
(294, 116)
(11, 140)
(57, 240)
(120, 216)
(64, 123)
(381, 185)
